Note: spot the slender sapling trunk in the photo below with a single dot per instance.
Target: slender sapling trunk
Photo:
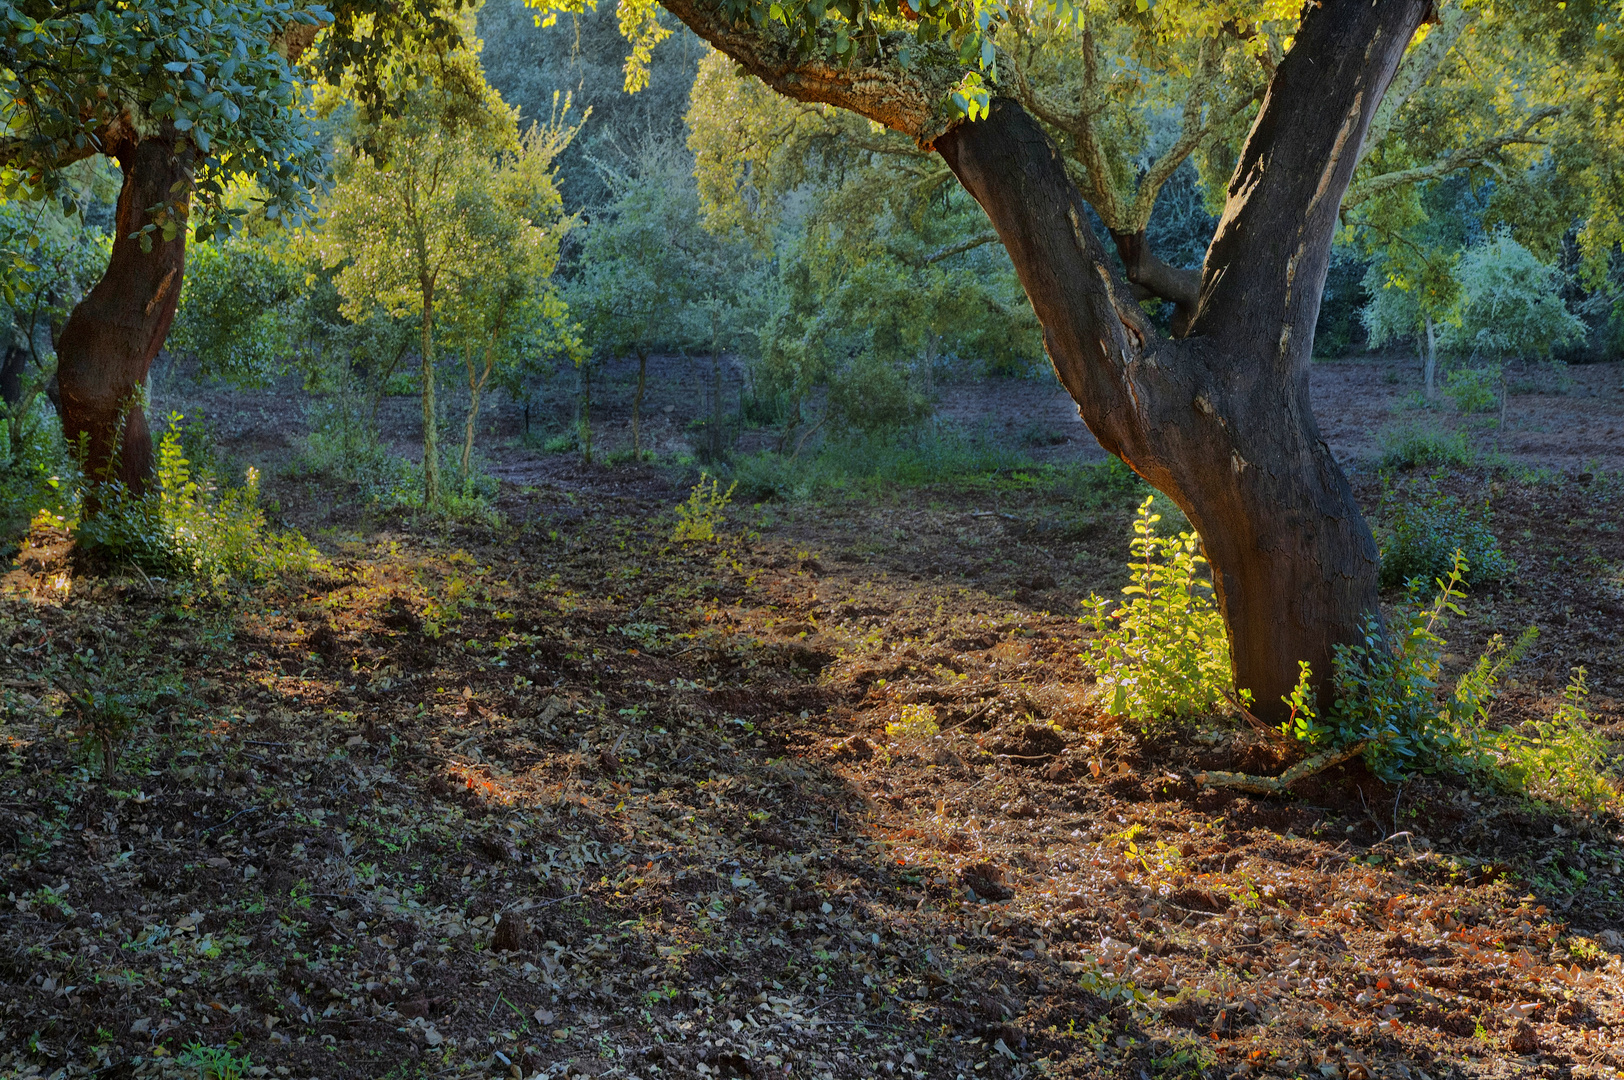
(431, 438)
(637, 404)
(1432, 357)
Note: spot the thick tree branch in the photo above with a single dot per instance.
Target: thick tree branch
(1463, 158)
(1266, 266)
(1181, 288)
(1419, 65)
(912, 99)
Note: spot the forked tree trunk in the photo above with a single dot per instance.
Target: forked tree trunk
(1220, 420)
(107, 347)
(1218, 416)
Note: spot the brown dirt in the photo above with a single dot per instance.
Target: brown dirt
(667, 769)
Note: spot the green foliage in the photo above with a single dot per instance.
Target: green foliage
(1560, 760)
(914, 724)
(215, 1063)
(36, 471)
(699, 516)
(188, 525)
(208, 70)
(234, 315)
(344, 445)
(1410, 447)
(446, 213)
(1427, 530)
(1386, 687)
(1511, 304)
(932, 453)
(1165, 652)
(1386, 682)
(1475, 390)
(112, 697)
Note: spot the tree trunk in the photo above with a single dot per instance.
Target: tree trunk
(584, 425)
(1219, 418)
(108, 345)
(1432, 358)
(11, 374)
(637, 405)
(431, 434)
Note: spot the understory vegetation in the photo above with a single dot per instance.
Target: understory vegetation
(621, 591)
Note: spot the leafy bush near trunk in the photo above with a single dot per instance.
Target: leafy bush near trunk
(1560, 760)
(191, 526)
(1165, 651)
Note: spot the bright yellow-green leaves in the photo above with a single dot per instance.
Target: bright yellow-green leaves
(640, 26)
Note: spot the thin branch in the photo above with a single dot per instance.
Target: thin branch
(961, 247)
(1463, 158)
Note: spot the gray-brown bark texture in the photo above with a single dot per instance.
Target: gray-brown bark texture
(110, 340)
(1218, 417)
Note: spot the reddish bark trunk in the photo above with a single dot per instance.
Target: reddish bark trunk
(108, 345)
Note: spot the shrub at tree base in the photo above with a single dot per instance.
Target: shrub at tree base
(191, 527)
(1164, 654)
(1164, 651)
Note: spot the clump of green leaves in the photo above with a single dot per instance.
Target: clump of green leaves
(1165, 651)
(1386, 688)
(1475, 390)
(1560, 760)
(914, 724)
(1411, 447)
(700, 514)
(189, 525)
(111, 698)
(1427, 529)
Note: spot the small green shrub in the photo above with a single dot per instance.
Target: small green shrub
(1560, 760)
(215, 1063)
(567, 443)
(1409, 447)
(111, 697)
(699, 516)
(1427, 528)
(1474, 390)
(187, 525)
(1165, 651)
(1386, 689)
(914, 724)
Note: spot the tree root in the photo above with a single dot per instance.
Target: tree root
(1274, 785)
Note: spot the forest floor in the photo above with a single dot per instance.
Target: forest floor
(558, 795)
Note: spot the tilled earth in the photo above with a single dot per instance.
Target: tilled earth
(566, 798)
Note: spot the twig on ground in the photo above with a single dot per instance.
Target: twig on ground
(1274, 785)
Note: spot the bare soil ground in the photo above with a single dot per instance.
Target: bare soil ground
(563, 797)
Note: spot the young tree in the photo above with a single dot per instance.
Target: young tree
(424, 215)
(1511, 304)
(642, 263)
(503, 302)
